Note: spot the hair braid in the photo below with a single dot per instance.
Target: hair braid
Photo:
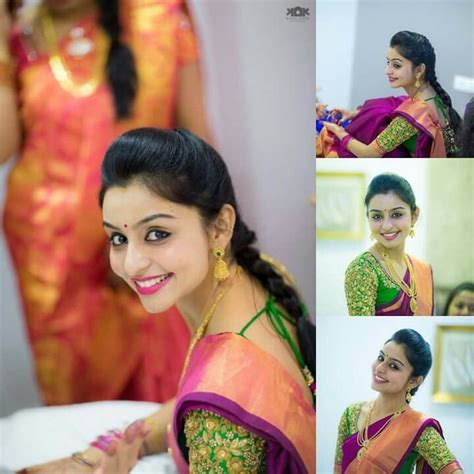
(248, 257)
(121, 70)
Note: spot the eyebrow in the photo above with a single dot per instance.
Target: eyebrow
(395, 59)
(145, 220)
(396, 360)
(394, 209)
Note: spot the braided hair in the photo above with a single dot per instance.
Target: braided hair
(466, 134)
(417, 48)
(417, 351)
(182, 168)
(120, 68)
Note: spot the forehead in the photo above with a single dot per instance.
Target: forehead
(464, 295)
(386, 201)
(393, 53)
(135, 201)
(393, 350)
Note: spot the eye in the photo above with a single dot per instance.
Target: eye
(380, 358)
(117, 240)
(394, 366)
(156, 235)
(376, 217)
(397, 215)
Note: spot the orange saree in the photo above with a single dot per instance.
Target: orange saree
(90, 340)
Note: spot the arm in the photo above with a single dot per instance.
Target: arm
(341, 434)
(155, 441)
(433, 449)
(397, 132)
(10, 129)
(361, 284)
(217, 445)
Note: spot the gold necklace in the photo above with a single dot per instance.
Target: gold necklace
(410, 291)
(207, 319)
(363, 439)
(61, 72)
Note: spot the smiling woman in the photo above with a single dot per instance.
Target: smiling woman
(385, 281)
(387, 435)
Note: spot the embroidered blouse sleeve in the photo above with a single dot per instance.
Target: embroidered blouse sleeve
(341, 435)
(361, 285)
(398, 131)
(217, 445)
(433, 449)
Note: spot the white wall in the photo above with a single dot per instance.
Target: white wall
(346, 349)
(333, 256)
(260, 82)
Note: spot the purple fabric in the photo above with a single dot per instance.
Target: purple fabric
(373, 117)
(404, 309)
(350, 448)
(282, 457)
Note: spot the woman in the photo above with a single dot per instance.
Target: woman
(421, 124)
(466, 134)
(387, 435)
(83, 78)
(385, 281)
(460, 301)
(245, 401)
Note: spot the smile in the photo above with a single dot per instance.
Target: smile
(378, 379)
(150, 285)
(392, 79)
(391, 235)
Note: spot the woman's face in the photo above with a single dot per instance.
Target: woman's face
(390, 219)
(462, 304)
(160, 248)
(400, 70)
(391, 371)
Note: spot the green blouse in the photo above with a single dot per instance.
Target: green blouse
(430, 445)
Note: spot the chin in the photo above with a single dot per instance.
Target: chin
(153, 307)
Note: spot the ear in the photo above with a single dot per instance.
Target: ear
(420, 70)
(416, 382)
(414, 216)
(222, 228)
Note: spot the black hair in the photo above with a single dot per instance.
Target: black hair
(120, 68)
(418, 49)
(466, 134)
(390, 182)
(455, 291)
(182, 168)
(417, 351)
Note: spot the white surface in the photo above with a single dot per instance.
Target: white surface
(345, 351)
(37, 435)
(464, 84)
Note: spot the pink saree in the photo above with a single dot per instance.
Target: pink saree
(221, 378)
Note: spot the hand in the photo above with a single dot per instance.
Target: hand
(346, 114)
(336, 129)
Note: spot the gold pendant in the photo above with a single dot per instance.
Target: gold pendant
(413, 305)
(361, 453)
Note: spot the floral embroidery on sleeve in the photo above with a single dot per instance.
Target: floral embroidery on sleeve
(433, 449)
(398, 131)
(218, 446)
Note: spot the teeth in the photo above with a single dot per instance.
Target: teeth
(390, 235)
(379, 379)
(152, 282)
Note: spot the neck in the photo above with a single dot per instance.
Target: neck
(387, 404)
(424, 92)
(194, 305)
(394, 253)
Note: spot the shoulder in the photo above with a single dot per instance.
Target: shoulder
(364, 262)
(419, 263)
(354, 409)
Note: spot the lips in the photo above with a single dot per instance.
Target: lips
(150, 285)
(391, 79)
(379, 380)
(390, 235)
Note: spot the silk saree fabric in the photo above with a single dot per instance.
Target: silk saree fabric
(90, 340)
(375, 116)
(221, 378)
(371, 292)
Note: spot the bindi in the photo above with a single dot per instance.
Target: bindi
(125, 225)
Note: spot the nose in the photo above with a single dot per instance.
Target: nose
(136, 262)
(388, 70)
(380, 367)
(386, 223)
(465, 310)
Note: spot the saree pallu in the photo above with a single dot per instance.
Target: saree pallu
(400, 305)
(90, 340)
(375, 115)
(230, 376)
(391, 451)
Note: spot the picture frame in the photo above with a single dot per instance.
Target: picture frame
(454, 364)
(339, 205)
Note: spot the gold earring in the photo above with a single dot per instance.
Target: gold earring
(412, 232)
(417, 83)
(408, 396)
(221, 270)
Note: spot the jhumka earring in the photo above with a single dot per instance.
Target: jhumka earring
(417, 83)
(408, 396)
(221, 270)
(412, 232)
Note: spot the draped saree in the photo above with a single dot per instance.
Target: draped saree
(232, 377)
(375, 115)
(91, 339)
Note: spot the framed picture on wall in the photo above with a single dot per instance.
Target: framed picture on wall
(454, 364)
(340, 205)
